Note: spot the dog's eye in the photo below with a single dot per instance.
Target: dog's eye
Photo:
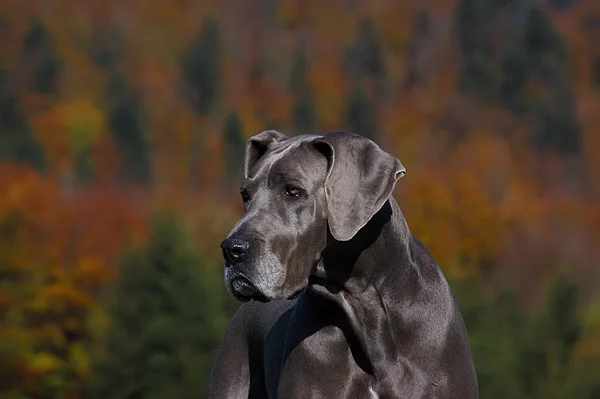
(292, 191)
(245, 196)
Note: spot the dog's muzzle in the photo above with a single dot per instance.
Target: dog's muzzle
(242, 288)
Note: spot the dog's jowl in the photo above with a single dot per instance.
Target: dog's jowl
(340, 300)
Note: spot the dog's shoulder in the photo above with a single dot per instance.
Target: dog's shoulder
(424, 261)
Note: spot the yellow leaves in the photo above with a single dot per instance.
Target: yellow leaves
(15, 344)
(74, 241)
(97, 322)
(66, 131)
(44, 363)
(79, 360)
(85, 124)
(589, 346)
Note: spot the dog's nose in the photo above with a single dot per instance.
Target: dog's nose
(234, 249)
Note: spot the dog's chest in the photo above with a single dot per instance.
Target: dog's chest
(320, 365)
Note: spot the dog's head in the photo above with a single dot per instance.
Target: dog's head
(295, 191)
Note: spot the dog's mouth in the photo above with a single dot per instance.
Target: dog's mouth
(243, 290)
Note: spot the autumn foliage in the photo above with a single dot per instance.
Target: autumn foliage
(110, 111)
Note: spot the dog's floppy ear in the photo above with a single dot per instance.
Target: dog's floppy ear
(360, 178)
(258, 145)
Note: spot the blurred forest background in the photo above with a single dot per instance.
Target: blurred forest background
(122, 131)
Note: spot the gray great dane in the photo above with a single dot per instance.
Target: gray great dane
(341, 301)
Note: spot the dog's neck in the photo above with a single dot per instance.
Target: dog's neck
(352, 265)
(351, 274)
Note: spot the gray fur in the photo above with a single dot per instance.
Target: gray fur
(341, 300)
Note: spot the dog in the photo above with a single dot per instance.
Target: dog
(340, 300)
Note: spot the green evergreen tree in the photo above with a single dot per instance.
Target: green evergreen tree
(367, 53)
(544, 44)
(106, 48)
(39, 55)
(497, 343)
(522, 355)
(596, 71)
(515, 74)
(167, 321)
(420, 33)
(303, 114)
(477, 75)
(536, 53)
(360, 113)
(126, 123)
(549, 60)
(563, 320)
(235, 145)
(201, 67)
(559, 130)
(544, 368)
(539, 54)
(470, 16)
(17, 142)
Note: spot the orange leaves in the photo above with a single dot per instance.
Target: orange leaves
(22, 188)
(396, 23)
(276, 102)
(331, 93)
(60, 228)
(91, 272)
(461, 205)
(211, 164)
(36, 214)
(475, 193)
(6, 300)
(63, 297)
(51, 132)
(291, 13)
(57, 252)
(69, 130)
(105, 155)
(250, 117)
(178, 135)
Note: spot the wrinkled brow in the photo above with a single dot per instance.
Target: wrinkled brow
(290, 177)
